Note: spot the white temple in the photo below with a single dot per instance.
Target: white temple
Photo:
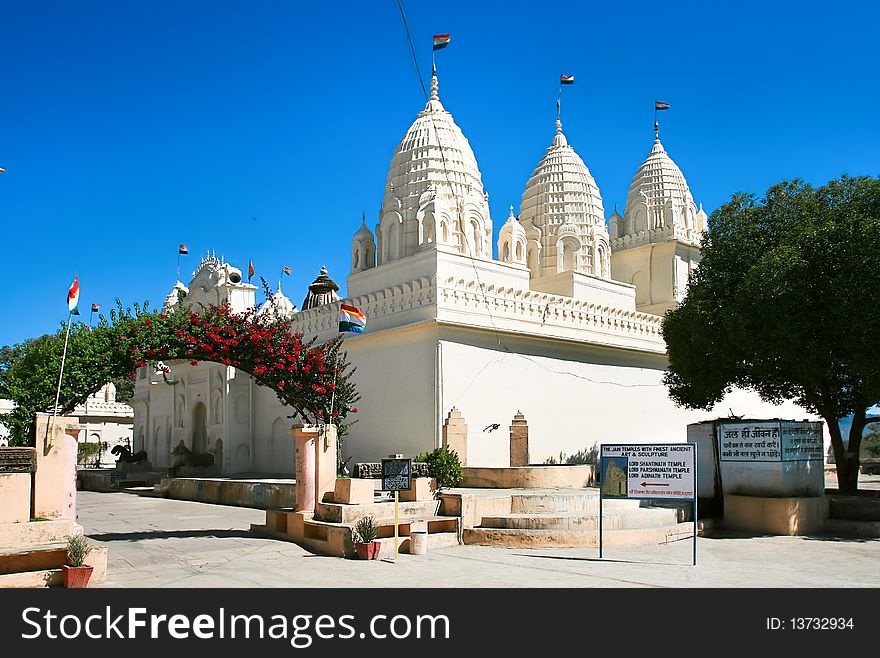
(564, 325)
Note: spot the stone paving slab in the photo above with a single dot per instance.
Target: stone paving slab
(155, 542)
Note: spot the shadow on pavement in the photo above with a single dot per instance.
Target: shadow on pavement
(597, 559)
(172, 534)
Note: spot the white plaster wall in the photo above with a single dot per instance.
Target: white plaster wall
(395, 376)
(588, 288)
(572, 398)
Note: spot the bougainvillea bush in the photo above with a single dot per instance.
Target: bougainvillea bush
(313, 379)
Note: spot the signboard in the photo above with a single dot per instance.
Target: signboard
(665, 471)
(770, 441)
(18, 460)
(396, 474)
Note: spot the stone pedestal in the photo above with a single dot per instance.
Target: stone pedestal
(316, 464)
(775, 516)
(455, 434)
(15, 492)
(422, 489)
(354, 491)
(55, 477)
(519, 441)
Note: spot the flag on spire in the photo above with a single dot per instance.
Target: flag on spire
(250, 270)
(441, 41)
(182, 250)
(566, 79)
(658, 105)
(96, 308)
(286, 270)
(73, 296)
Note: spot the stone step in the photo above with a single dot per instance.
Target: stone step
(341, 513)
(32, 579)
(36, 533)
(32, 558)
(435, 540)
(579, 522)
(580, 502)
(852, 528)
(539, 538)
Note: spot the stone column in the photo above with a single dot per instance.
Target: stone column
(55, 477)
(315, 464)
(519, 441)
(455, 434)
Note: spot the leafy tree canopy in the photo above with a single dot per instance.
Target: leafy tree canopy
(784, 303)
(314, 380)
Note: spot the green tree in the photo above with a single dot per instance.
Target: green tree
(784, 303)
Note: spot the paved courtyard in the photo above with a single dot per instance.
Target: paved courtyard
(156, 542)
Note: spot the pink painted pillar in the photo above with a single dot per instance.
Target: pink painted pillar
(305, 469)
(316, 464)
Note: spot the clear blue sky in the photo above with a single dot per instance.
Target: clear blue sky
(128, 128)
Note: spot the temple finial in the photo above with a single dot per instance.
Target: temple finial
(364, 218)
(435, 96)
(656, 129)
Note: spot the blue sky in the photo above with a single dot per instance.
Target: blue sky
(127, 128)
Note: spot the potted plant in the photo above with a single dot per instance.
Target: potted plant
(365, 539)
(76, 573)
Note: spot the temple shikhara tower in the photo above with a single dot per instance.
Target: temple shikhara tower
(560, 319)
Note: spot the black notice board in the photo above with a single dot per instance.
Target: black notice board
(396, 474)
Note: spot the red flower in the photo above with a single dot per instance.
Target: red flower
(148, 323)
(194, 362)
(354, 410)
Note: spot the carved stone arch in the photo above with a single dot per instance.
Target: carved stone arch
(567, 248)
(356, 258)
(519, 253)
(217, 406)
(639, 219)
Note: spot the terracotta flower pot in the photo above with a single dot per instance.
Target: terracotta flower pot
(77, 577)
(368, 551)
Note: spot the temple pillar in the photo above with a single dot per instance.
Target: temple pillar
(316, 464)
(519, 441)
(455, 435)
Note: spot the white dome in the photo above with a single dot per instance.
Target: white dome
(174, 297)
(363, 233)
(562, 199)
(434, 190)
(277, 306)
(659, 204)
(512, 241)
(562, 189)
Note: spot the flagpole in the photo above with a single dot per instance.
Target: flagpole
(60, 375)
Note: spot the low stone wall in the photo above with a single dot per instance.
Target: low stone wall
(241, 493)
(529, 477)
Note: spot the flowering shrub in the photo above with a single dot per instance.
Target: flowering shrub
(307, 377)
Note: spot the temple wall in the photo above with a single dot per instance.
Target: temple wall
(565, 399)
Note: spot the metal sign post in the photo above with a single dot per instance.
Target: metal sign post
(649, 472)
(396, 522)
(601, 471)
(396, 477)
